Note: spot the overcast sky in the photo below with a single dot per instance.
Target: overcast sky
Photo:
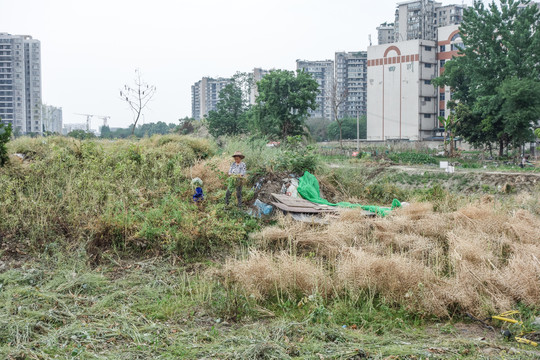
(90, 49)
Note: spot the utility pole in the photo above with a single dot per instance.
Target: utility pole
(357, 130)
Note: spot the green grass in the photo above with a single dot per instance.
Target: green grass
(61, 308)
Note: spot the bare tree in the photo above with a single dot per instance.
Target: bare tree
(137, 96)
(337, 98)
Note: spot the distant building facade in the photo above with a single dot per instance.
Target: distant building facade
(52, 119)
(72, 127)
(351, 79)
(205, 95)
(420, 19)
(323, 73)
(448, 15)
(415, 20)
(402, 102)
(386, 33)
(20, 83)
(257, 75)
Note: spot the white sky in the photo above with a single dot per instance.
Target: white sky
(90, 49)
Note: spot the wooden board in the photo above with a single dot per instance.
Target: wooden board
(296, 209)
(301, 203)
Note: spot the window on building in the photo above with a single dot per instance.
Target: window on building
(428, 48)
(427, 98)
(427, 65)
(442, 48)
(441, 113)
(427, 116)
(427, 82)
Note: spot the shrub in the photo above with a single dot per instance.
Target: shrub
(298, 157)
(5, 135)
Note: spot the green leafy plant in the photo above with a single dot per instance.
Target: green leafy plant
(298, 157)
(5, 135)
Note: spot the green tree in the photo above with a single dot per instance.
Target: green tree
(105, 132)
(5, 136)
(318, 128)
(186, 126)
(81, 134)
(230, 117)
(500, 44)
(348, 128)
(520, 108)
(283, 103)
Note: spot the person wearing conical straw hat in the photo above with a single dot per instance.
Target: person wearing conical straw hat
(237, 172)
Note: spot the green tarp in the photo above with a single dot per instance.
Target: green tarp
(308, 187)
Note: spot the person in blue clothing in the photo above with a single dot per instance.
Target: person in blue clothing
(238, 172)
(198, 197)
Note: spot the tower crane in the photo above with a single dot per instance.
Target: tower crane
(89, 117)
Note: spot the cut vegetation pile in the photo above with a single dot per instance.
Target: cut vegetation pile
(478, 259)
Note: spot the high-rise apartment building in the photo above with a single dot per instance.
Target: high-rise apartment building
(20, 83)
(52, 119)
(386, 33)
(323, 73)
(448, 15)
(351, 80)
(415, 20)
(205, 95)
(420, 19)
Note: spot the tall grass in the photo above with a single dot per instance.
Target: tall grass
(124, 194)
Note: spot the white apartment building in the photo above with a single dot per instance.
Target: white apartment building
(20, 83)
(401, 101)
(323, 73)
(52, 119)
(386, 33)
(351, 78)
(205, 95)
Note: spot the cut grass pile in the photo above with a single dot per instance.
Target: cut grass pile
(479, 259)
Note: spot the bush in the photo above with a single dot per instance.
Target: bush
(5, 135)
(298, 157)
